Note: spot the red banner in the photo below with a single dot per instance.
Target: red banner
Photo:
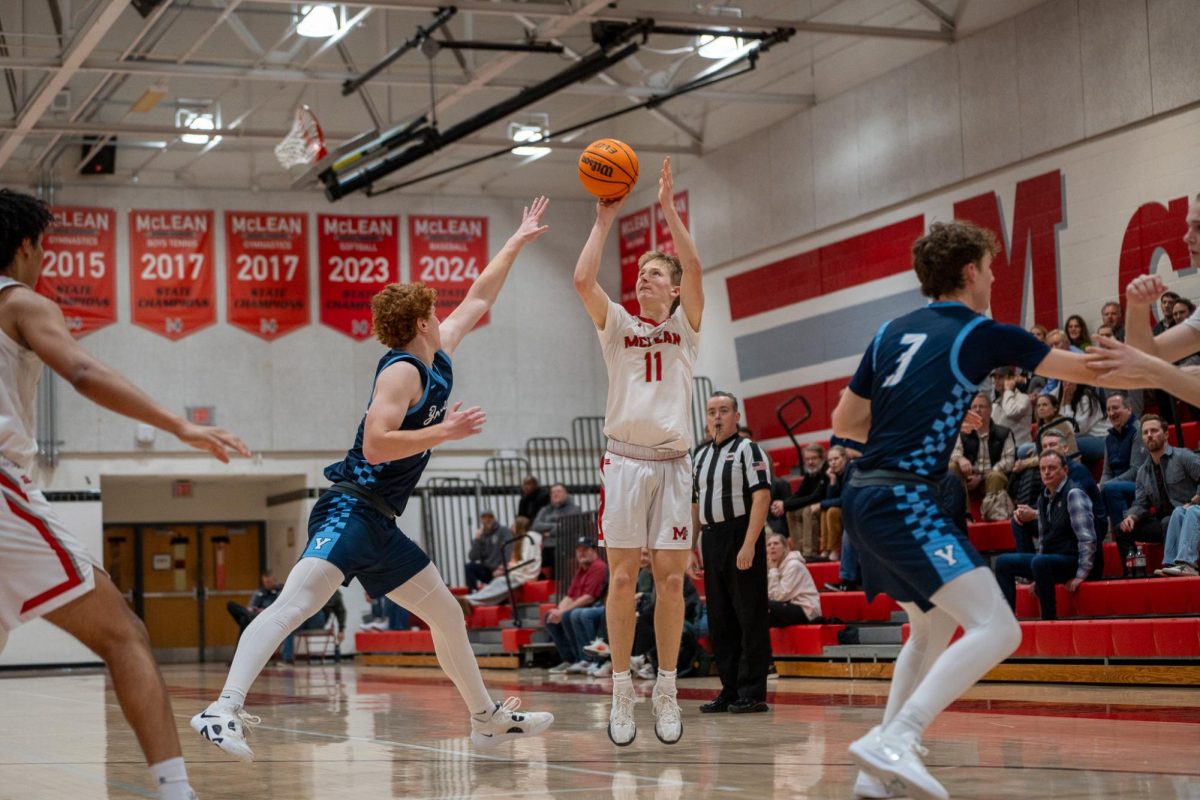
(633, 232)
(171, 271)
(663, 241)
(358, 256)
(79, 267)
(447, 254)
(267, 261)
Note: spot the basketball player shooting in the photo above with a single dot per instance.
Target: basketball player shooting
(44, 570)
(907, 401)
(645, 474)
(352, 529)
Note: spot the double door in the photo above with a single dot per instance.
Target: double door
(179, 579)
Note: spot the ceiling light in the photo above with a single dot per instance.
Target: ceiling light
(535, 131)
(150, 98)
(718, 46)
(195, 122)
(320, 22)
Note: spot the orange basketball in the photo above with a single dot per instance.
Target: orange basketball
(608, 168)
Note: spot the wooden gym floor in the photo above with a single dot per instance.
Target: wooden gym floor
(332, 732)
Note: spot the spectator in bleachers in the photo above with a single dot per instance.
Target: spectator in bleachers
(561, 505)
(644, 659)
(792, 597)
(1067, 543)
(1105, 330)
(1077, 332)
(1181, 549)
(1169, 478)
(1039, 331)
(1047, 409)
(804, 506)
(1024, 520)
(1012, 407)
(1059, 340)
(534, 498)
(1181, 309)
(983, 457)
(831, 507)
(1112, 317)
(586, 589)
(1124, 453)
(781, 490)
(1166, 303)
(1084, 406)
(267, 592)
(524, 548)
(485, 559)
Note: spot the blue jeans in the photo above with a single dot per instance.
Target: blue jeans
(313, 623)
(848, 569)
(1023, 535)
(1118, 496)
(1046, 571)
(570, 649)
(584, 623)
(1183, 537)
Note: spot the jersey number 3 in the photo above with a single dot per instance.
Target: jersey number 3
(913, 342)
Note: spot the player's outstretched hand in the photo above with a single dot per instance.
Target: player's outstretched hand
(217, 441)
(531, 220)
(461, 424)
(666, 186)
(1145, 289)
(1120, 366)
(607, 209)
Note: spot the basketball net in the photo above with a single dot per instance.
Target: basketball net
(305, 143)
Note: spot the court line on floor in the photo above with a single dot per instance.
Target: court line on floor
(79, 772)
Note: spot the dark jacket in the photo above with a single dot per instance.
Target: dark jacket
(1124, 452)
(530, 504)
(996, 440)
(833, 491)
(1061, 535)
(488, 549)
(811, 490)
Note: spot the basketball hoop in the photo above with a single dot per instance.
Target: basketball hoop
(305, 143)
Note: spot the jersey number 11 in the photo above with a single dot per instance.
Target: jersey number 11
(653, 367)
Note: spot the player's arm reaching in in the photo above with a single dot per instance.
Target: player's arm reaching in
(486, 288)
(852, 417)
(1176, 342)
(41, 326)
(691, 285)
(587, 268)
(397, 390)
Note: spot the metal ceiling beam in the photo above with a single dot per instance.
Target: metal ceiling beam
(225, 14)
(942, 17)
(194, 69)
(88, 38)
(562, 11)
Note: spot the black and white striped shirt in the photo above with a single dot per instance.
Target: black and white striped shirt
(725, 476)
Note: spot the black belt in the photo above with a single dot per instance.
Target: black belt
(355, 490)
(888, 477)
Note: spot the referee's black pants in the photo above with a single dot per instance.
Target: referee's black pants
(737, 610)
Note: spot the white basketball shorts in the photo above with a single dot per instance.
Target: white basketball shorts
(646, 503)
(42, 566)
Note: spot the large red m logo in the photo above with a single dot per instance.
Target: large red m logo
(679, 533)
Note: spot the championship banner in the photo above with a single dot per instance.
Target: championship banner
(633, 234)
(267, 263)
(79, 267)
(357, 257)
(447, 254)
(172, 288)
(663, 241)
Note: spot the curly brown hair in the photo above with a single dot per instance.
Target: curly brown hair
(940, 255)
(397, 309)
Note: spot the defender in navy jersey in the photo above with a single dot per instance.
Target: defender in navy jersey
(907, 401)
(352, 529)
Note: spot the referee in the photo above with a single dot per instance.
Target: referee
(731, 493)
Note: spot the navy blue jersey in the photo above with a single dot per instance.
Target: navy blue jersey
(395, 480)
(921, 372)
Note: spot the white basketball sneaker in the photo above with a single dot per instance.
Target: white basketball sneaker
(506, 724)
(890, 757)
(668, 719)
(621, 728)
(226, 728)
(869, 787)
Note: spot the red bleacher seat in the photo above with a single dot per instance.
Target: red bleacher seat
(535, 591)
(803, 640)
(823, 572)
(1114, 568)
(512, 639)
(1028, 645)
(489, 616)
(1177, 638)
(880, 609)
(849, 606)
(545, 608)
(1133, 638)
(1054, 638)
(991, 537)
(785, 457)
(1092, 638)
(459, 590)
(1191, 435)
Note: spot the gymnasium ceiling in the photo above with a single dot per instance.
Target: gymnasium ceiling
(78, 68)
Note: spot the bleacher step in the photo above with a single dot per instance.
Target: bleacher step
(880, 634)
(900, 616)
(881, 651)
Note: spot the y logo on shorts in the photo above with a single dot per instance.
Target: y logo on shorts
(319, 542)
(946, 553)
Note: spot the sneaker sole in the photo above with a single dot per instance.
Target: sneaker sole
(620, 744)
(239, 751)
(664, 741)
(886, 774)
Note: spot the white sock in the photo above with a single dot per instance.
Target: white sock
(427, 596)
(170, 777)
(622, 682)
(308, 587)
(990, 635)
(232, 699)
(666, 682)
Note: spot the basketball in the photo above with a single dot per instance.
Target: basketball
(608, 168)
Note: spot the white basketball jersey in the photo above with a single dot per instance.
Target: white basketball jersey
(20, 370)
(649, 379)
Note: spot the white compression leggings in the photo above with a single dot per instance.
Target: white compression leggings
(928, 675)
(310, 585)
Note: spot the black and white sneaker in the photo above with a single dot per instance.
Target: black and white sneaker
(506, 724)
(226, 728)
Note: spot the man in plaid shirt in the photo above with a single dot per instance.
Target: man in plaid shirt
(1067, 540)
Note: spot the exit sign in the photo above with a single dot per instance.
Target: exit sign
(201, 415)
(181, 489)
